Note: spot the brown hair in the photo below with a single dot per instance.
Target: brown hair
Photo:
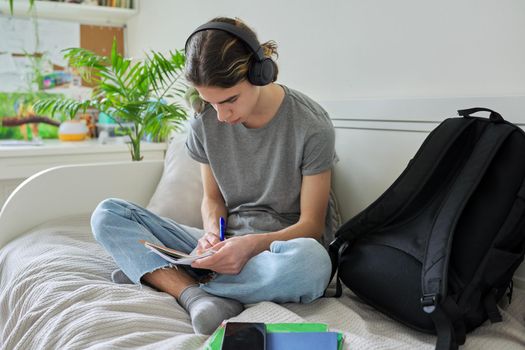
(217, 58)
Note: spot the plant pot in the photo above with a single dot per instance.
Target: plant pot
(72, 130)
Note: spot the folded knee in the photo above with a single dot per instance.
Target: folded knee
(308, 260)
(308, 247)
(318, 265)
(101, 216)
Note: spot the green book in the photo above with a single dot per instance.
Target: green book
(215, 340)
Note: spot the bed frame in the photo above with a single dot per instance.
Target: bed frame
(75, 189)
(375, 139)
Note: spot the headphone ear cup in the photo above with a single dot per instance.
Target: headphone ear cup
(262, 72)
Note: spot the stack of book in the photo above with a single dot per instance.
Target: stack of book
(289, 336)
(127, 4)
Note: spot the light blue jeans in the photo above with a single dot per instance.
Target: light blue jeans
(297, 270)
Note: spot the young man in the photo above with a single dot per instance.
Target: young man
(266, 153)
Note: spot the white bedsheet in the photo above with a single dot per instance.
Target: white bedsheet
(56, 293)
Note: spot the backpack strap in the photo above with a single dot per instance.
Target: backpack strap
(335, 250)
(491, 307)
(436, 259)
(446, 317)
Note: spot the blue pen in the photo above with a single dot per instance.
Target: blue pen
(222, 228)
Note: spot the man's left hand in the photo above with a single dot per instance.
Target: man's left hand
(231, 255)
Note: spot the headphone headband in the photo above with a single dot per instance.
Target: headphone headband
(261, 71)
(252, 44)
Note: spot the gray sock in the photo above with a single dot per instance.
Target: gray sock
(120, 277)
(207, 311)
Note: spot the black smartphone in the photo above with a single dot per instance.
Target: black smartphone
(244, 335)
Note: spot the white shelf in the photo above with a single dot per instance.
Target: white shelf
(85, 14)
(23, 161)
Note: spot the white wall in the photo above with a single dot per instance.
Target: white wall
(344, 49)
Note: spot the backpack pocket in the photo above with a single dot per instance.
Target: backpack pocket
(388, 279)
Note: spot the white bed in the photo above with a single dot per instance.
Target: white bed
(55, 288)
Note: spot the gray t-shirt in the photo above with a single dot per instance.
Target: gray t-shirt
(259, 171)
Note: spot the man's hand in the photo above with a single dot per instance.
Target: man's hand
(207, 241)
(231, 254)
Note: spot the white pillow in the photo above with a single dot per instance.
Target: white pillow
(179, 193)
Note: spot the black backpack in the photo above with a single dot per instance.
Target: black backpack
(438, 249)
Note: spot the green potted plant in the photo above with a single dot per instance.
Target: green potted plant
(144, 94)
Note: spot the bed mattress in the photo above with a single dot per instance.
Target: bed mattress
(56, 293)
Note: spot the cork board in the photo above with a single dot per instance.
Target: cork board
(100, 39)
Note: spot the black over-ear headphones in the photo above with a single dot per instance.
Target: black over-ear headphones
(261, 71)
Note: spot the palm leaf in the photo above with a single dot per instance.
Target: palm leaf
(80, 57)
(52, 106)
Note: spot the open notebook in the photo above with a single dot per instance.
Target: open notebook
(174, 256)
